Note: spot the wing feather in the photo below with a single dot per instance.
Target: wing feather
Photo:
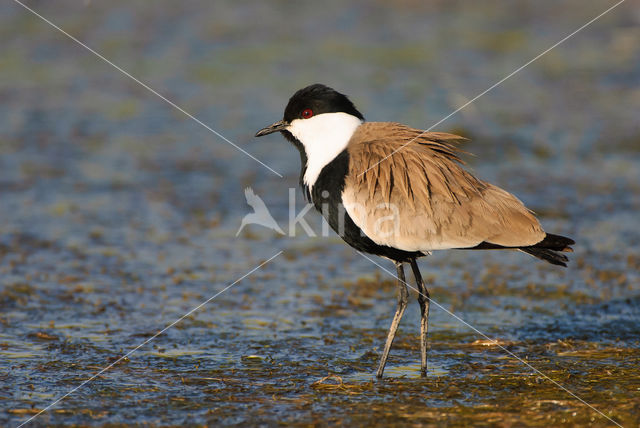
(409, 190)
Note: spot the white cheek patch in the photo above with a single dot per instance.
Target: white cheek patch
(324, 137)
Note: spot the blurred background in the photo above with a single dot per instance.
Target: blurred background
(118, 213)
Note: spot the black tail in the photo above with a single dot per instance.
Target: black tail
(549, 249)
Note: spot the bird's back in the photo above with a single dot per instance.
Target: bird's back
(417, 182)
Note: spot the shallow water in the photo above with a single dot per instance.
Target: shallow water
(119, 215)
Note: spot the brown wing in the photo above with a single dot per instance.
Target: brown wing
(420, 198)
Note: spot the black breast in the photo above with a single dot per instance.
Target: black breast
(326, 196)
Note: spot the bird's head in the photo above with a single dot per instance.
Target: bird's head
(316, 116)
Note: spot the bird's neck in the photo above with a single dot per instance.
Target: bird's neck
(323, 137)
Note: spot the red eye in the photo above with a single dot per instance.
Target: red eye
(307, 113)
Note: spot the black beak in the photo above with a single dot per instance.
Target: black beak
(280, 125)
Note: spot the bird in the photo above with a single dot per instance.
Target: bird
(260, 214)
(401, 193)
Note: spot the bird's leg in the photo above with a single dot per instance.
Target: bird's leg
(403, 298)
(423, 301)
